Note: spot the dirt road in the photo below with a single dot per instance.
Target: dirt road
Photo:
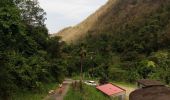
(56, 95)
(128, 90)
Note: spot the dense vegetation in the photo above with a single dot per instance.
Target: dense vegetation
(88, 93)
(33, 95)
(28, 56)
(130, 42)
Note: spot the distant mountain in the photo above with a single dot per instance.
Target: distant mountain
(73, 33)
(119, 16)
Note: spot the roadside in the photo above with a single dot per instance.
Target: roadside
(34, 95)
(56, 95)
(88, 93)
(128, 87)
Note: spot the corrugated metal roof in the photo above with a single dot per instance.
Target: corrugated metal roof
(148, 82)
(110, 89)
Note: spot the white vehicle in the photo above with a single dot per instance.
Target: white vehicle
(91, 83)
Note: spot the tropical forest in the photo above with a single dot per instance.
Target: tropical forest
(122, 42)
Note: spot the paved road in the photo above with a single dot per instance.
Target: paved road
(56, 95)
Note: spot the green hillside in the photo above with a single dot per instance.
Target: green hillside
(124, 40)
(129, 41)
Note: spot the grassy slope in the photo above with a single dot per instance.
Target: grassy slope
(90, 94)
(27, 95)
(116, 16)
(71, 34)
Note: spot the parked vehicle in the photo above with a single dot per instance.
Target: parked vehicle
(91, 83)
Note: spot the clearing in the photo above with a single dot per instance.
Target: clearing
(91, 93)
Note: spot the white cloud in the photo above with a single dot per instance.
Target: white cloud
(63, 13)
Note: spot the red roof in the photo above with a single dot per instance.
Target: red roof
(110, 89)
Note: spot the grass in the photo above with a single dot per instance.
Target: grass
(89, 93)
(131, 85)
(29, 95)
(84, 78)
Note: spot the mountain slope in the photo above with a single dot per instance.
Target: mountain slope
(73, 33)
(119, 16)
(129, 41)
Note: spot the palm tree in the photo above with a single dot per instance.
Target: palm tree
(82, 55)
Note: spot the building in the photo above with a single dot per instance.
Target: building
(150, 90)
(146, 82)
(113, 91)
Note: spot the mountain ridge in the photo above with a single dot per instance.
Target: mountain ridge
(113, 17)
(80, 30)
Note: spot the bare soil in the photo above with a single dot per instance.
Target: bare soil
(58, 95)
(128, 90)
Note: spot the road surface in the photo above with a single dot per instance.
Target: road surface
(56, 95)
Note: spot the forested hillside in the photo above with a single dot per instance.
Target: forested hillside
(120, 14)
(130, 41)
(124, 40)
(28, 56)
(71, 34)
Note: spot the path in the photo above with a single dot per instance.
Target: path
(128, 89)
(56, 95)
(66, 84)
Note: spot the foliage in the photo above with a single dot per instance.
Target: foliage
(25, 61)
(89, 93)
(29, 95)
(162, 69)
(128, 45)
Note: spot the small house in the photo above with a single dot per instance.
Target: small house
(147, 82)
(113, 91)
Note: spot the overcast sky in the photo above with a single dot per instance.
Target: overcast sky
(64, 13)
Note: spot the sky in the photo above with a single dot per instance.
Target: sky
(65, 13)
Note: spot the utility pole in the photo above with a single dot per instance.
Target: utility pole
(81, 65)
(82, 55)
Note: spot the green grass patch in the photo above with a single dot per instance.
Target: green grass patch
(30, 95)
(89, 93)
(126, 84)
